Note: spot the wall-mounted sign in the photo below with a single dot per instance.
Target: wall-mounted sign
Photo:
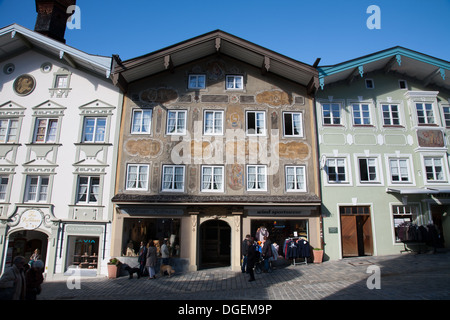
(24, 84)
(31, 219)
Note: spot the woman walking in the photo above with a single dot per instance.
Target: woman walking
(151, 260)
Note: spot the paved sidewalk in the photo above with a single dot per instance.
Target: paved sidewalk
(403, 277)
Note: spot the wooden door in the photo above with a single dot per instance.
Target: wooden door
(349, 236)
(367, 235)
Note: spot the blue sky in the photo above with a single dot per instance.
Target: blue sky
(334, 31)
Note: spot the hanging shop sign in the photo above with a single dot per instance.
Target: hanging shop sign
(31, 219)
(280, 212)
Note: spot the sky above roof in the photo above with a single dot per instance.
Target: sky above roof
(335, 31)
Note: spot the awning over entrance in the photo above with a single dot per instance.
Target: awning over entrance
(428, 190)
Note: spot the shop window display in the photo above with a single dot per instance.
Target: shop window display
(137, 230)
(279, 230)
(83, 252)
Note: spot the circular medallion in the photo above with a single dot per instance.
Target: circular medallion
(24, 84)
(31, 219)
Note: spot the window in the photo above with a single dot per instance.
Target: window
(292, 124)
(173, 178)
(176, 122)
(331, 113)
(141, 121)
(402, 84)
(391, 116)
(295, 178)
(36, 188)
(368, 169)
(88, 189)
(370, 84)
(213, 123)
(446, 110)
(336, 170)
(8, 130)
(425, 114)
(212, 178)
(256, 123)
(137, 177)
(399, 169)
(94, 129)
(46, 130)
(3, 187)
(401, 215)
(62, 82)
(256, 178)
(235, 82)
(197, 81)
(361, 114)
(434, 169)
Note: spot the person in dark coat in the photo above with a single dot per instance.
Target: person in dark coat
(142, 258)
(244, 251)
(251, 260)
(151, 260)
(267, 252)
(34, 279)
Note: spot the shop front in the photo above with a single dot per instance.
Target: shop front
(207, 236)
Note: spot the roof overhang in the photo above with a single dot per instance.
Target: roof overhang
(398, 60)
(427, 190)
(15, 39)
(210, 43)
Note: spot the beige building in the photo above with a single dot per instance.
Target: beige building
(217, 140)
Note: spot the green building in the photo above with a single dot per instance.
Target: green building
(383, 130)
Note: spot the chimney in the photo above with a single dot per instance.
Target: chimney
(52, 18)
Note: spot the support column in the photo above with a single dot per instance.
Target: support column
(193, 241)
(236, 239)
(116, 233)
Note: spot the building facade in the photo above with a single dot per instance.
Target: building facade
(217, 141)
(383, 130)
(58, 113)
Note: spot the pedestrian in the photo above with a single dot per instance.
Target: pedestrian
(151, 260)
(251, 260)
(13, 282)
(34, 280)
(244, 251)
(266, 252)
(165, 252)
(34, 257)
(142, 257)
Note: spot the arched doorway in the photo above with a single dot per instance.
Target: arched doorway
(215, 244)
(24, 243)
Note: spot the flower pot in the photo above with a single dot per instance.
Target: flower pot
(113, 271)
(318, 256)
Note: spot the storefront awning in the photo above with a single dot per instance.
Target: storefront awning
(418, 190)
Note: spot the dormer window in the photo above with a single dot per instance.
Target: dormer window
(235, 82)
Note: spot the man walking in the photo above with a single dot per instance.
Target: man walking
(244, 252)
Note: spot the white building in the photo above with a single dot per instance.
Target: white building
(58, 114)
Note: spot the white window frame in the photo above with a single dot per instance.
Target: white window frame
(47, 130)
(97, 130)
(444, 168)
(195, 77)
(427, 120)
(390, 114)
(257, 180)
(215, 131)
(336, 167)
(292, 113)
(256, 128)
(139, 182)
(172, 176)
(4, 184)
(61, 84)
(213, 176)
(40, 187)
(234, 82)
(362, 117)
(379, 179)
(6, 136)
(446, 115)
(395, 166)
(295, 182)
(177, 130)
(401, 213)
(336, 121)
(138, 128)
(91, 190)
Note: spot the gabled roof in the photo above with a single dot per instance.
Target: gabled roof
(399, 60)
(219, 41)
(15, 39)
